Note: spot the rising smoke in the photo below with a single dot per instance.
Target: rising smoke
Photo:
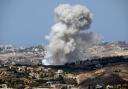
(67, 39)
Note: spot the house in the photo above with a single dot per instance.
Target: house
(109, 87)
(98, 86)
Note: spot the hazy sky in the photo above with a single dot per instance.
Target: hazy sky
(26, 22)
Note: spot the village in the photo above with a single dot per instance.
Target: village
(39, 77)
(35, 76)
(42, 77)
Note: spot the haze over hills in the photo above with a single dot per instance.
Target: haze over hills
(34, 55)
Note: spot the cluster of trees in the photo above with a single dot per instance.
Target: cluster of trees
(91, 64)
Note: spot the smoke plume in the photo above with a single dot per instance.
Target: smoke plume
(67, 39)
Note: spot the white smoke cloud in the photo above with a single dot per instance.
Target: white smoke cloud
(78, 16)
(67, 38)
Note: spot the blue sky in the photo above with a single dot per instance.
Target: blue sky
(26, 22)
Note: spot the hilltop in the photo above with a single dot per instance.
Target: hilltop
(34, 55)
